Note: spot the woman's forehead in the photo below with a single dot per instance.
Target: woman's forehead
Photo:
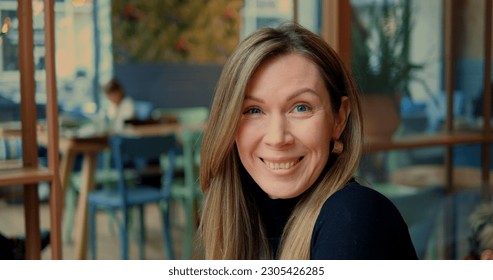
(291, 73)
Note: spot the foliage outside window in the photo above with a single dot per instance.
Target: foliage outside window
(175, 30)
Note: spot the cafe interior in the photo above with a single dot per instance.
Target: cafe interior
(427, 62)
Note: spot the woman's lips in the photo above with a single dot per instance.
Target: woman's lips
(281, 164)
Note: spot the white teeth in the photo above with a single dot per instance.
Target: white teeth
(284, 165)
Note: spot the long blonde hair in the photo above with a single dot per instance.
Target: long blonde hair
(231, 227)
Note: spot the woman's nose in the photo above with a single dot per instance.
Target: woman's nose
(278, 132)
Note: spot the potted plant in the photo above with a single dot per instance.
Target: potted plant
(381, 64)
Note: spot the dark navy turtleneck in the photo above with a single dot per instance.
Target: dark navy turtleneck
(356, 222)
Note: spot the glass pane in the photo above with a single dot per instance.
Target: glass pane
(398, 63)
(398, 50)
(83, 56)
(271, 13)
(9, 40)
(75, 56)
(265, 13)
(10, 141)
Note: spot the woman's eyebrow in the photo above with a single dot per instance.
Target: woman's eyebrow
(259, 100)
(303, 91)
(290, 97)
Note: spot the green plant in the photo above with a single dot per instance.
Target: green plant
(381, 63)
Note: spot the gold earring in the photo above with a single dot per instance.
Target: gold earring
(338, 147)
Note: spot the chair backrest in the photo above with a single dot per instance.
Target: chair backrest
(143, 109)
(192, 140)
(134, 149)
(10, 148)
(188, 115)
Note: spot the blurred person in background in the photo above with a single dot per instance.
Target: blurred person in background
(481, 239)
(120, 107)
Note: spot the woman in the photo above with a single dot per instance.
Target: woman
(283, 141)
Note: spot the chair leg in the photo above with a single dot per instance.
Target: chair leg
(92, 231)
(133, 227)
(189, 228)
(112, 221)
(168, 244)
(124, 235)
(141, 233)
(69, 213)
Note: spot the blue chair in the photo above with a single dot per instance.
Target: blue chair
(126, 150)
(186, 191)
(143, 109)
(186, 115)
(104, 177)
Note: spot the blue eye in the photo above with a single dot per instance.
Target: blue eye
(253, 111)
(301, 108)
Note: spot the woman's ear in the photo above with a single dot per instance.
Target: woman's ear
(341, 117)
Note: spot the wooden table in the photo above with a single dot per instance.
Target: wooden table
(90, 147)
(10, 129)
(426, 175)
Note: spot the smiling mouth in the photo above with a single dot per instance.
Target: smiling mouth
(281, 165)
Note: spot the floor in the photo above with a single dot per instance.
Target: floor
(108, 248)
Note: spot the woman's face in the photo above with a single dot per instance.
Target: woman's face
(286, 126)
